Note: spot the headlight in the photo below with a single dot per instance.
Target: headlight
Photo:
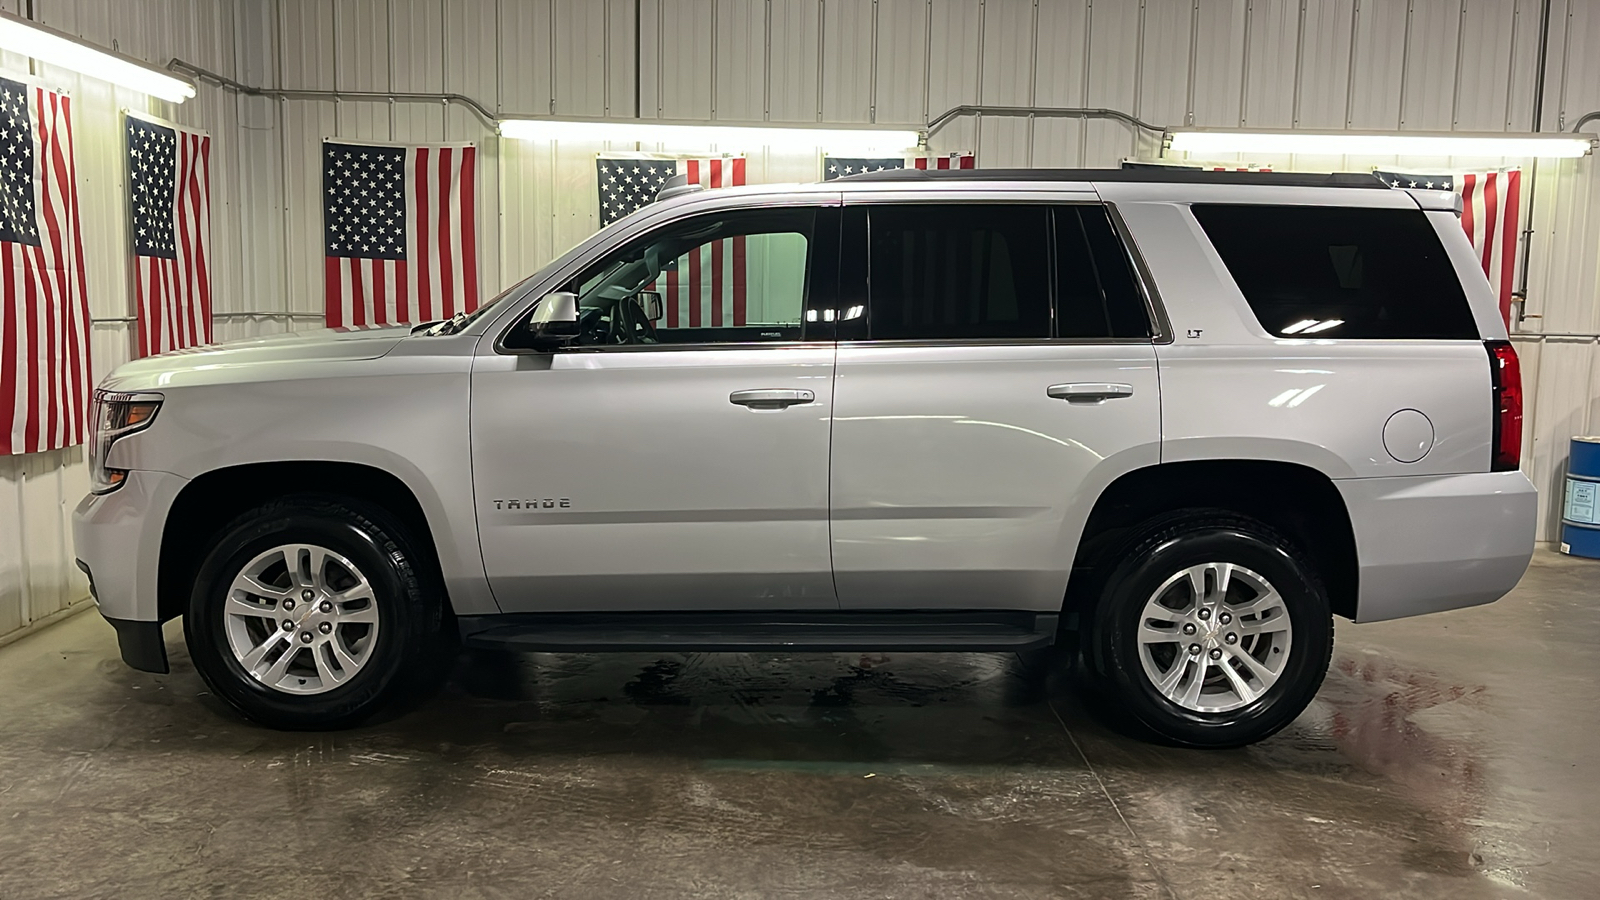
(115, 416)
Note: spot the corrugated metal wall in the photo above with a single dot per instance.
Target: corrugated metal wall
(1415, 64)
(38, 491)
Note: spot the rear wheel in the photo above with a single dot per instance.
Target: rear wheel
(308, 612)
(1212, 631)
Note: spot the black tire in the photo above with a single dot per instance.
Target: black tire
(409, 614)
(1159, 550)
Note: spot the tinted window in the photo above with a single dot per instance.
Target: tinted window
(1341, 273)
(966, 271)
(728, 278)
(1096, 295)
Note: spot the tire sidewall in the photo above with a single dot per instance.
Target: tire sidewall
(1135, 581)
(392, 581)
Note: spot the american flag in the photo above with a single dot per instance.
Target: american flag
(840, 166)
(708, 286)
(44, 320)
(400, 236)
(169, 195)
(1491, 207)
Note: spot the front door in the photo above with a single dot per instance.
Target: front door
(676, 456)
(1003, 374)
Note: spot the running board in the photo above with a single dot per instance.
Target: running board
(912, 630)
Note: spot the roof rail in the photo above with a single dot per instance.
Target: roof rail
(1161, 175)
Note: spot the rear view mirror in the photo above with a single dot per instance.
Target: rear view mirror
(653, 308)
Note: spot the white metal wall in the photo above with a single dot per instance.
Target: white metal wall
(38, 491)
(1415, 64)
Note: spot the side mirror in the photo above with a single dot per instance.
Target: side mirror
(653, 308)
(554, 322)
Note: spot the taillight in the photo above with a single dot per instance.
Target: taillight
(1505, 374)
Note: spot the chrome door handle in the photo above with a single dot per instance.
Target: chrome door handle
(770, 398)
(1088, 392)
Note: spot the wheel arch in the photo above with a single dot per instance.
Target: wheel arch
(209, 501)
(1317, 520)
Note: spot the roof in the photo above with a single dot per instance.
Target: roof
(1145, 175)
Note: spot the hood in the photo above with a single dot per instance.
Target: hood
(322, 345)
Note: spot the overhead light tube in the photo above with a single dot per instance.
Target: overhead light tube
(58, 48)
(839, 140)
(1375, 143)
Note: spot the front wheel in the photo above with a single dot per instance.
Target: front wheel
(308, 613)
(1212, 632)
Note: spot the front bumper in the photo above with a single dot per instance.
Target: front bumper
(1428, 543)
(117, 537)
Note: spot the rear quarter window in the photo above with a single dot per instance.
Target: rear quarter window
(1337, 272)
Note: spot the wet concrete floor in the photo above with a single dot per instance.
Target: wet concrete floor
(1447, 756)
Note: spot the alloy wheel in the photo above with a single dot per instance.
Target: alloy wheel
(1214, 637)
(301, 619)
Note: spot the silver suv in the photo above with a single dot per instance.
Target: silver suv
(1183, 419)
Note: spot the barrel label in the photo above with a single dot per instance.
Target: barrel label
(1580, 506)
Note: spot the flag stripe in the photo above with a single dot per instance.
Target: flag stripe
(467, 198)
(1508, 240)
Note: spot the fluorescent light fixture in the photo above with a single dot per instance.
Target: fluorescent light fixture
(57, 48)
(1376, 143)
(726, 137)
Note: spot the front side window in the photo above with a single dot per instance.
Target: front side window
(958, 271)
(736, 277)
(1340, 272)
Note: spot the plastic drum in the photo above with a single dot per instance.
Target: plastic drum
(1580, 513)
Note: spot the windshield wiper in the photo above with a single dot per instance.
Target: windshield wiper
(454, 324)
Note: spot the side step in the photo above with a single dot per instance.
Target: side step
(911, 630)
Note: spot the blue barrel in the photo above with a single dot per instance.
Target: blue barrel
(1580, 514)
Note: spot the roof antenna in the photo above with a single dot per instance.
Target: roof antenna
(677, 185)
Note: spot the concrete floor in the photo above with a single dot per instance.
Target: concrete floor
(1447, 756)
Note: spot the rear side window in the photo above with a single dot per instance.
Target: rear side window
(1310, 271)
(951, 272)
(1096, 296)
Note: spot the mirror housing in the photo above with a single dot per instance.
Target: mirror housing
(654, 310)
(554, 322)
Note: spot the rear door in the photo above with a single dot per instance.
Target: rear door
(994, 373)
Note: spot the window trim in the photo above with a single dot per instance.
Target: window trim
(1160, 325)
(1155, 311)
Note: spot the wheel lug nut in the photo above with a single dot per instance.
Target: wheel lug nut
(306, 595)
(1216, 654)
(1225, 618)
(288, 604)
(1188, 628)
(325, 627)
(1205, 613)
(1232, 638)
(1194, 649)
(288, 625)
(305, 637)
(325, 606)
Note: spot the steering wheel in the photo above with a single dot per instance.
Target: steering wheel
(630, 324)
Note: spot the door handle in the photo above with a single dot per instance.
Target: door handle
(1088, 392)
(770, 398)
